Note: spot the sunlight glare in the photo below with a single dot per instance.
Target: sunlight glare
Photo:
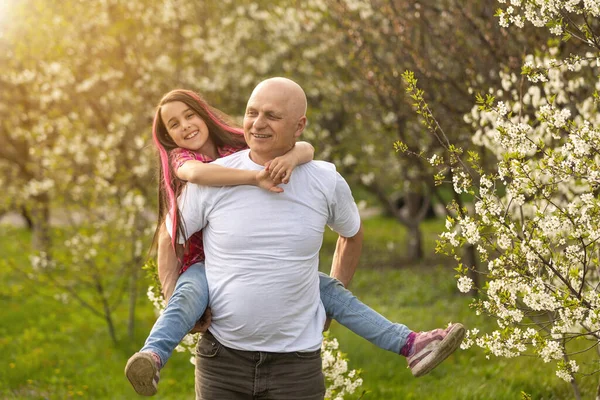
(4, 7)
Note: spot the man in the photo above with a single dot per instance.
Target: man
(262, 254)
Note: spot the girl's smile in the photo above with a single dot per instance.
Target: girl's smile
(186, 128)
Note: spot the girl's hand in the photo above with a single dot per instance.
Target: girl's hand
(265, 181)
(281, 167)
(203, 323)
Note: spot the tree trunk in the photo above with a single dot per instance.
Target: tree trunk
(470, 260)
(414, 242)
(39, 211)
(409, 213)
(574, 383)
(134, 277)
(133, 284)
(109, 321)
(111, 328)
(26, 215)
(598, 388)
(414, 205)
(576, 390)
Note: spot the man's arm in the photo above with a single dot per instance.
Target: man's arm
(168, 265)
(346, 256)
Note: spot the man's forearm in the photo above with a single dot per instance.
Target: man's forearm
(168, 265)
(346, 256)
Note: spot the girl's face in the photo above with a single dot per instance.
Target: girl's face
(186, 128)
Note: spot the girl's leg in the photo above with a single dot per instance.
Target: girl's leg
(185, 307)
(341, 305)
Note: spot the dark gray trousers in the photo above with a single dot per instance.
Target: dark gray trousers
(223, 373)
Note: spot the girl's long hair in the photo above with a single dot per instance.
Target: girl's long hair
(222, 132)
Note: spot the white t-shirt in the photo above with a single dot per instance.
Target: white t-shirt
(262, 253)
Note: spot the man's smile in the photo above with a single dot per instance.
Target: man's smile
(261, 136)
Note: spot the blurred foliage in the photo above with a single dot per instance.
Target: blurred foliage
(80, 81)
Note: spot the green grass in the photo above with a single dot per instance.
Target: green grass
(52, 350)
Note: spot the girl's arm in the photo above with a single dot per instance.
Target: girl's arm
(281, 167)
(207, 174)
(168, 265)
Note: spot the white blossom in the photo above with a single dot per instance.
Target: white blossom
(465, 284)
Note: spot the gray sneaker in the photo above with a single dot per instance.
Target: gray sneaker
(432, 347)
(143, 373)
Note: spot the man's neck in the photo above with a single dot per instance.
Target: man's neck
(262, 159)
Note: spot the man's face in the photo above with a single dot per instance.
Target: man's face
(271, 124)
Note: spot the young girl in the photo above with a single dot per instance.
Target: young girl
(188, 134)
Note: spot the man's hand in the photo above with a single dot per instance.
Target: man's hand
(203, 323)
(266, 181)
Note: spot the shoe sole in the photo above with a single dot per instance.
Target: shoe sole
(447, 346)
(141, 370)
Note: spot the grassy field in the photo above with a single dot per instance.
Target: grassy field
(51, 350)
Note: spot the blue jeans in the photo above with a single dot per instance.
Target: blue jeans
(185, 307)
(190, 299)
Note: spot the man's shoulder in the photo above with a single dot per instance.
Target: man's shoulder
(320, 167)
(326, 165)
(321, 174)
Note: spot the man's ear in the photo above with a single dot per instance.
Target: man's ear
(300, 126)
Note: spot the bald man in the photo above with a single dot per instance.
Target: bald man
(262, 252)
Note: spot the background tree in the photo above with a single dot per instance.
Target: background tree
(75, 120)
(535, 220)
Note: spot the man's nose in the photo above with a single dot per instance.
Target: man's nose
(260, 122)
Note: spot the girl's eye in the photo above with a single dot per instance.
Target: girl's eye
(190, 116)
(174, 126)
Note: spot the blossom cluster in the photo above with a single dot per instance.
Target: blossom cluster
(535, 219)
(541, 13)
(340, 379)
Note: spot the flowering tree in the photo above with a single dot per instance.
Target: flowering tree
(448, 43)
(536, 215)
(74, 118)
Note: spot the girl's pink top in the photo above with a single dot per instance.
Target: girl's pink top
(195, 249)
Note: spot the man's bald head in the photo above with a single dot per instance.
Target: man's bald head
(290, 91)
(275, 117)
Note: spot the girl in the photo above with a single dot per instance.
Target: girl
(188, 134)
